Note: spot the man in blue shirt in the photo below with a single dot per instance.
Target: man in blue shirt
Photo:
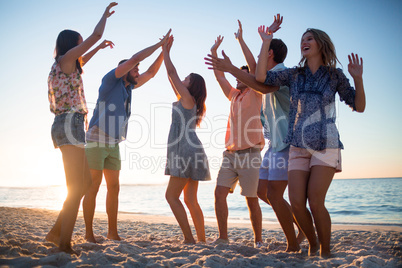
(273, 172)
(107, 128)
(274, 167)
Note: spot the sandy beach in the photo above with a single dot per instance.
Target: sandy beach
(155, 241)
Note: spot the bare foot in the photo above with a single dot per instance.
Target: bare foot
(313, 249)
(300, 237)
(68, 249)
(51, 237)
(325, 254)
(114, 237)
(293, 249)
(189, 241)
(91, 238)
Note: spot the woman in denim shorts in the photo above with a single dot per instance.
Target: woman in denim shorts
(67, 102)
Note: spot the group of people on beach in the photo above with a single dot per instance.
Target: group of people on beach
(294, 108)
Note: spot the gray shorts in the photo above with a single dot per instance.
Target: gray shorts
(68, 129)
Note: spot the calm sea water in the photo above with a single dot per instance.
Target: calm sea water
(357, 201)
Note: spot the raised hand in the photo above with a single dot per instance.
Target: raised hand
(239, 34)
(355, 67)
(168, 44)
(265, 33)
(275, 26)
(106, 43)
(219, 64)
(218, 42)
(107, 11)
(165, 38)
(225, 63)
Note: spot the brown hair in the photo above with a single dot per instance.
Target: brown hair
(326, 47)
(66, 40)
(198, 90)
(280, 50)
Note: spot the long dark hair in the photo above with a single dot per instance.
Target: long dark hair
(198, 90)
(66, 40)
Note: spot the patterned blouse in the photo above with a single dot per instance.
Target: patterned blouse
(312, 105)
(66, 92)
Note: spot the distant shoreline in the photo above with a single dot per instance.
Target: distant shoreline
(132, 216)
(124, 215)
(165, 183)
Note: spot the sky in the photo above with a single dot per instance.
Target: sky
(29, 29)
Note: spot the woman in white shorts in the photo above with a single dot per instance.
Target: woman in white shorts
(315, 145)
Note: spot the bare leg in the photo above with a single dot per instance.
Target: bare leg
(262, 191)
(255, 217)
(78, 179)
(298, 183)
(221, 210)
(190, 199)
(320, 180)
(283, 212)
(89, 204)
(54, 234)
(173, 191)
(300, 235)
(112, 201)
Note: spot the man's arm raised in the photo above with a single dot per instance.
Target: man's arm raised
(266, 35)
(225, 65)
(246, 51)
(151, 72)
(219, 75)
(124, 68)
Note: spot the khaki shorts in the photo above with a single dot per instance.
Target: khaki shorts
(102, 156)
(240, 167)
(303, 159)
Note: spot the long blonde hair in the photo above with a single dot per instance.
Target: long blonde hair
(326, 47)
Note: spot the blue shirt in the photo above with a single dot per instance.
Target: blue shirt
(312, 105)
(275, 110)
(113, 107)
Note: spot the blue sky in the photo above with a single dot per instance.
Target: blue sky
(29, 29)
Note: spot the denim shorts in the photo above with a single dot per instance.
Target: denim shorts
(68, 129)
(274, 166)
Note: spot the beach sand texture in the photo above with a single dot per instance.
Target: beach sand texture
(154, 241)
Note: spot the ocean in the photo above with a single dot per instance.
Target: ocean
(352, 201)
